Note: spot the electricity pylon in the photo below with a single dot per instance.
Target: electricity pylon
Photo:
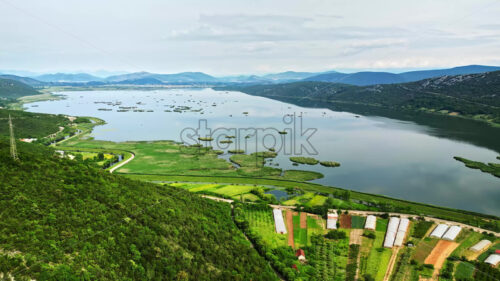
(13, 149)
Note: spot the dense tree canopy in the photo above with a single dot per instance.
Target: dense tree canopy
(62, 219)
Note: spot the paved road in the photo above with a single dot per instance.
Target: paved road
(122, 163)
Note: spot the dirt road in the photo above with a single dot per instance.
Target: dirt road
(355, 237)
(439, 254)
(289, 228)
(392, 262)
(303, 220)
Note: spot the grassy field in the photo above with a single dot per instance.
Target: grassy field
(424, 248)
(262, 223)
(234, 191)
(357, 222)
(470, 240)
(299, 234)
(420, 229)
(314, 227)
(169, 161)
(464, 270)
(317, 200)
(381, 224)
(378, 258)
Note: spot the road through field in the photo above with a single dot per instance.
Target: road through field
(392, 262)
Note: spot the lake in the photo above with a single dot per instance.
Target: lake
(388, 155)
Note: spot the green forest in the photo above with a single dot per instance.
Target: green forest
(66, 220)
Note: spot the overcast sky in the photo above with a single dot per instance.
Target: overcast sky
(226, 37)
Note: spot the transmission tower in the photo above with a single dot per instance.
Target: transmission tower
(13, 149)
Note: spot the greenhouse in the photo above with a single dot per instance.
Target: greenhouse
(439, 231)
(371, 222)
(400, 236)
(481, 245)
(392, 229)
(452, 233)
(278, 221)
(331, 222)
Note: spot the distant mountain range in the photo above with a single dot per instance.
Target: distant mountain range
(146, 78)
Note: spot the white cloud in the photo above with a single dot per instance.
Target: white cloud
(231, 37)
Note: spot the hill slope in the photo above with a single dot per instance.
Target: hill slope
(473, 95)
(67, 77)
(63, 220)
(26, 80)
(11, 89)
(373, 78)
(31, 125)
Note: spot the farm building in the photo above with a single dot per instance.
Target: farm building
(331, 222)
(481, 245)
(371, 222)
(301, 256)
(400, 236)
(439, 231)
(452, 233)
(392, 229)
(493, 259)
(278, 221)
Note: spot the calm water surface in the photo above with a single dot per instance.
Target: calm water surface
(378, 155)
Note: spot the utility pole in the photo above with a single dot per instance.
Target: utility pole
(13, 149)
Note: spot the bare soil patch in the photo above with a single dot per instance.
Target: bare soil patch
(289, 227)
(345, 221)
(303, 220)
(439, 254)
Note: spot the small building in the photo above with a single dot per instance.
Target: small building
(481, 245)
(452, 233)
(439, 231)
(331, 219)
(493, 259)
(301, 255)
(371, 222)
(28, 140)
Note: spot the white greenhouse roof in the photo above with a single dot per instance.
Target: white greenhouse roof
(278, 221)
(493, 259)
(481, 245)
(400, 236)
(392, 229)
(439, 231)
(389, 239)
(331, 222)
(452, 233)
(403, 224)
(371, 222)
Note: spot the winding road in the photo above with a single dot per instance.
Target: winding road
(122, 163)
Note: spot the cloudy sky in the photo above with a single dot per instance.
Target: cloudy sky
(225, 37)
